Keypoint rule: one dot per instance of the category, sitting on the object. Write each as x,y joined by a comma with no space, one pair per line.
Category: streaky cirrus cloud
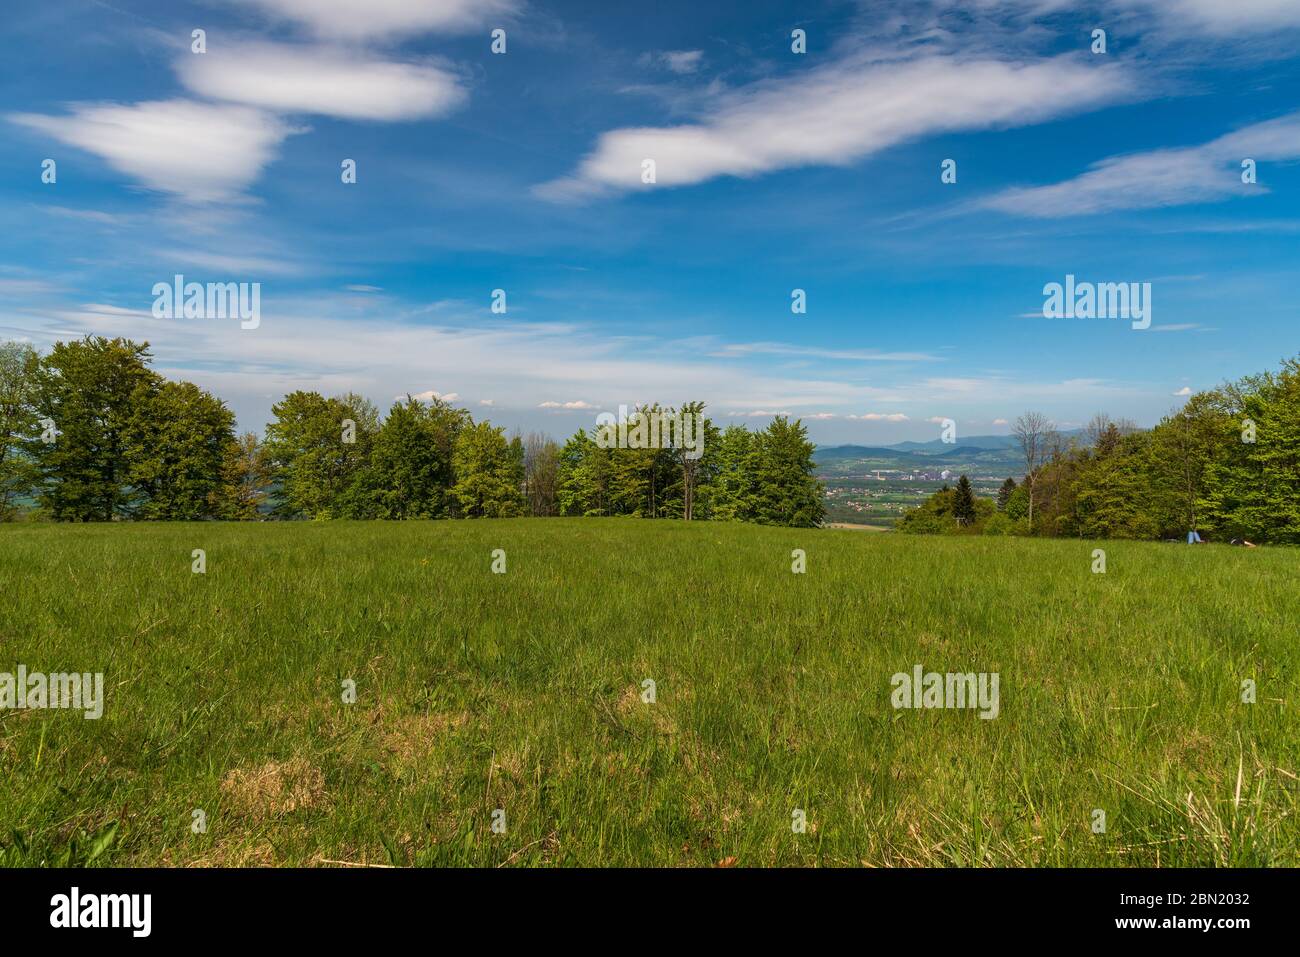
201,151
848,355
839,113
1163,177
1221,17
329,81
385,353
347,19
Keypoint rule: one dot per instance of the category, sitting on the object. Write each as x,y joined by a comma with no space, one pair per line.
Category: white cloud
103,309
486,402
1166,177
681,61
244,265
328,345
88,215
26,287
850,355
571,406
322,80
1185,390
350,20
1223,17
839,113
429,395
1176,17
1000,422
201,151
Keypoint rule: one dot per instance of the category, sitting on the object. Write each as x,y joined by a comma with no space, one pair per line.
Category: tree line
1226,465
89,432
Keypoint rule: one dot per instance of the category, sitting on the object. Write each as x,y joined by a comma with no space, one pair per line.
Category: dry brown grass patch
275,788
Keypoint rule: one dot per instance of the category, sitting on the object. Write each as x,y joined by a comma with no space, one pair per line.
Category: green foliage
19,473
765,477
584,477
1112,498
1017,507
783,488
245,476
1005,493
1000,523
963,502
1252,489
729,494
489,473
411,469
952,511
1197,469
320,475
177,442
644,482
91,390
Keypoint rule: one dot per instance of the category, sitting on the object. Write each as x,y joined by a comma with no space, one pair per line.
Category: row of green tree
1226,465
89,432
764,477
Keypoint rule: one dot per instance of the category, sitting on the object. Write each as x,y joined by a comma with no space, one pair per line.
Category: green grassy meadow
522,691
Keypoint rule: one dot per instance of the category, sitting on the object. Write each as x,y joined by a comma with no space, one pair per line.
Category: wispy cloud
676,61
348,20
839,113
1165,177
1221,17
235,264
848,355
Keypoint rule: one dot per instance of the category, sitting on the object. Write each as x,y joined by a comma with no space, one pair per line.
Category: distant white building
945,474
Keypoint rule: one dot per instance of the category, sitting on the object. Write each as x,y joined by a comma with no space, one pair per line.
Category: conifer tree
963,504
1004,493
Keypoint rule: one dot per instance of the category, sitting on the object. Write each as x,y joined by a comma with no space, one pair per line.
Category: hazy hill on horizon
975,454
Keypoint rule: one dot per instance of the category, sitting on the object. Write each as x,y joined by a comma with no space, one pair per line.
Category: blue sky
774,171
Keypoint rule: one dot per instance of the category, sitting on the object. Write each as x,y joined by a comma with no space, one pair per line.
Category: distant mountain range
983,454
972,441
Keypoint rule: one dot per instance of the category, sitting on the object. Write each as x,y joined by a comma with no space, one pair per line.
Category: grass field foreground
523,691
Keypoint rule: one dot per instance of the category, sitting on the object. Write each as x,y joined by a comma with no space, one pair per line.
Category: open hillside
503,716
